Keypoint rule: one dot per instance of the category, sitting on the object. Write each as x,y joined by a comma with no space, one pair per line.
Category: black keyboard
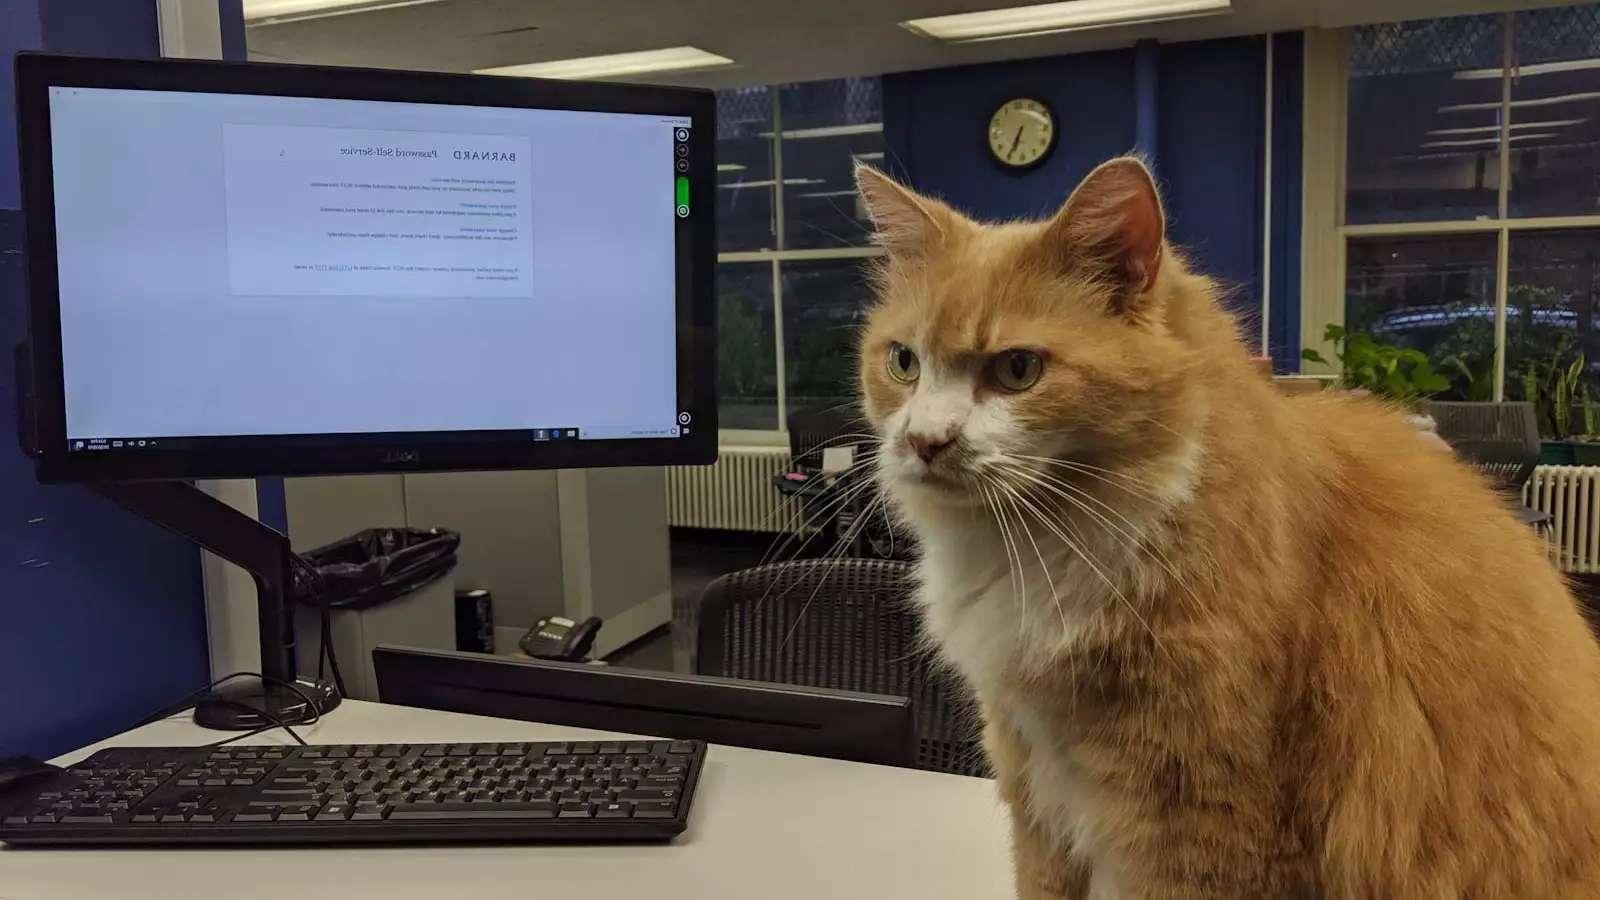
585,791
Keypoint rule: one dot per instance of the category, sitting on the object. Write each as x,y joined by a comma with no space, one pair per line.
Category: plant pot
1556,453
1585,453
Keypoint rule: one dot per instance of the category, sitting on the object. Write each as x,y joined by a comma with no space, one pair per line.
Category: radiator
1568,494
736,492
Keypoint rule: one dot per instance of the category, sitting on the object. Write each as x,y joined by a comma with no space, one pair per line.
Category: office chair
1501,440
846,624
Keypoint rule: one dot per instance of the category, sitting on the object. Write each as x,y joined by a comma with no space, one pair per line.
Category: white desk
765,826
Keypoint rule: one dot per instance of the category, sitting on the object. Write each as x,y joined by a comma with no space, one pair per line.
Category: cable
191,699
326,640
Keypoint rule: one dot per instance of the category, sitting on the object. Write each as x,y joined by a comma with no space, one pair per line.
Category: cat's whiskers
829,508
793,529
1132,534
991,502
843,541
1050,523
1044,568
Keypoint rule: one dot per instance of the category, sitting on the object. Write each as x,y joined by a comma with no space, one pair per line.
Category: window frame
1325,234
776,258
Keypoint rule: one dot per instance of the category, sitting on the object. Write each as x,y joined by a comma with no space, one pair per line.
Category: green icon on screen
683,197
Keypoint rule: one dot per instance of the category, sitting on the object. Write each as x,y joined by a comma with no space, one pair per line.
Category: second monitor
874,728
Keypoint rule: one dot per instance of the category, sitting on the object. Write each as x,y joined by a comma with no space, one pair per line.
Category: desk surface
764,825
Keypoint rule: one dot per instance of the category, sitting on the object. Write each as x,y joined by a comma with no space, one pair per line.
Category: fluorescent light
1478,129
276,12
1050,18
668,59
741,185
1479,142
729,167
1536,101
828,131
1571,65
849,193
876,154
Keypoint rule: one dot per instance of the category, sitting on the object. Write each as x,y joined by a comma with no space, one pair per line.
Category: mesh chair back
1500,439
846,624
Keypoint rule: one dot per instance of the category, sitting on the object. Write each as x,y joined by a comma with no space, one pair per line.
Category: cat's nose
927,446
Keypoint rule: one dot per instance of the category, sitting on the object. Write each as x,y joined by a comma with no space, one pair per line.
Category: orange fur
1260,646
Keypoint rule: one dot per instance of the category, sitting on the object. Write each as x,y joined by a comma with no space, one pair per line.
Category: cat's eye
1017,370
903,364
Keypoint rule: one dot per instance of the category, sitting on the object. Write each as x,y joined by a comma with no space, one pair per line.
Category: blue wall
1208,130
101,613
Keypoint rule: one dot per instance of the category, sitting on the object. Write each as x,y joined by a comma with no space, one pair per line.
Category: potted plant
1556,389
1401,375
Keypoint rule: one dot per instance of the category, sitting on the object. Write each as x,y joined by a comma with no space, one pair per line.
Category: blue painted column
1146,93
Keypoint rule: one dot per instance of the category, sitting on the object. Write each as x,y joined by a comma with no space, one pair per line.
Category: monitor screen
245,278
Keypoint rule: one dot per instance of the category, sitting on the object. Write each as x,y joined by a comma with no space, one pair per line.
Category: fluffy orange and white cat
1227,644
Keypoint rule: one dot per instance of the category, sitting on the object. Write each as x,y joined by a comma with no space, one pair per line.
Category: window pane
747,361
824,303
1421,145
1550,307
827,126
1555,113
744,170
1435,294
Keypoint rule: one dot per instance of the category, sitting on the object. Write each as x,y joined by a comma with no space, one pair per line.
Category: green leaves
1401,374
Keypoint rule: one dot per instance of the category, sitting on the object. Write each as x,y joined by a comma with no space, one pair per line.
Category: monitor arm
259,549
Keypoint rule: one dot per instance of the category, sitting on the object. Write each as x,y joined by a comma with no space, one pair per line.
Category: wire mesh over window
1557,35
1423,141
1555,113
1425,45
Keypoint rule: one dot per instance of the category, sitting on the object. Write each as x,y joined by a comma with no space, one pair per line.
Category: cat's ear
907,223
1114,228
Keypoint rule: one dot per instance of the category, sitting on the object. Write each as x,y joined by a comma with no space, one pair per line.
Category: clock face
1022,132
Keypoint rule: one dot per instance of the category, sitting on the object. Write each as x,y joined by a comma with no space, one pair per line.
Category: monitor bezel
246,456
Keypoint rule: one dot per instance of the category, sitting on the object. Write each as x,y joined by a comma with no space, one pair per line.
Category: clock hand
1014,141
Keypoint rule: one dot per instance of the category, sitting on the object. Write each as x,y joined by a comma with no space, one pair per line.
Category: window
1471,147
793,239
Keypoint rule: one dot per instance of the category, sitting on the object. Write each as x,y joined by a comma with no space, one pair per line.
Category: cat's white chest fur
992,624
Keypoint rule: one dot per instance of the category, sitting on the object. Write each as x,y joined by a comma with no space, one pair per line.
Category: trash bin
378,586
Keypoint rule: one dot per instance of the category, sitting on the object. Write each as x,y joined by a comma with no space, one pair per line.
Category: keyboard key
561,749
636,748
680,747
369,812
241,782
174,815
45,816
572,810
334,812
312,753
655,809
638,794
288,795
614,811
514,750
610,747
446,811
391,751
17,820
460,750
301,812
583,747
256,815
203,816
215,782
338,753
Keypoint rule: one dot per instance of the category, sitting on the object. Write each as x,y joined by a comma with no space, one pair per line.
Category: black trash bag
367,569
375,566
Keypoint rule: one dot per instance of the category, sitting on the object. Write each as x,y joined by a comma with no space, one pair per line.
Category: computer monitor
875,728
240,270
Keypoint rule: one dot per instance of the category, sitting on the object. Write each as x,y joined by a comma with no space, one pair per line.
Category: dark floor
698,557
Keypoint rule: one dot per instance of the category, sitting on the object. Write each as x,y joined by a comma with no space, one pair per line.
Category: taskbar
98,445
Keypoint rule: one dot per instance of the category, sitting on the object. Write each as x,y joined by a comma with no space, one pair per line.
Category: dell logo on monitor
401,457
